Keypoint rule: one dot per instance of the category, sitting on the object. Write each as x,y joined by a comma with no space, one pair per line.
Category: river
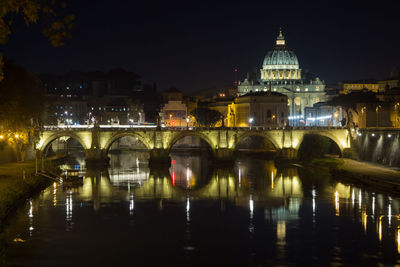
255,214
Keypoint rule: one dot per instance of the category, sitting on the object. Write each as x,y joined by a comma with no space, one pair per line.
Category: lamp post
251,119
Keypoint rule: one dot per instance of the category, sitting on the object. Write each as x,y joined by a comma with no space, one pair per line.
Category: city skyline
194,49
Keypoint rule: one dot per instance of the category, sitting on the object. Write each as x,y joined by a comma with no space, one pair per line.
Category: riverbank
378,177
17,183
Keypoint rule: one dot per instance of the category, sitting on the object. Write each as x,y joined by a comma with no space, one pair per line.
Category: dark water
190,215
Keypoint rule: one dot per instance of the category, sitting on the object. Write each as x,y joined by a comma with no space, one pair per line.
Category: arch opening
127,154
190,167
65,150
318,146
255,145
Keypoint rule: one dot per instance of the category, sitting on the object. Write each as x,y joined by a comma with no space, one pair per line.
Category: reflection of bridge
97,140
273,189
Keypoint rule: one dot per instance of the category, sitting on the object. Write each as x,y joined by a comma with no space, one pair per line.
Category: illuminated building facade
351,86
267,109
281,73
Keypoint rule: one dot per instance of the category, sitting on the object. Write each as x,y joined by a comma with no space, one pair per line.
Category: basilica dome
280,63
281,57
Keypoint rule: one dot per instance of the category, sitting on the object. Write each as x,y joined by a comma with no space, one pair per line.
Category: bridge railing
184,128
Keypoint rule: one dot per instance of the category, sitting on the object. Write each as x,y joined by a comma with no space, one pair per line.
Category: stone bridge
97,140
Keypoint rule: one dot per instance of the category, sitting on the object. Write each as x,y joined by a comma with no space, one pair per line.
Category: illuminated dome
280,63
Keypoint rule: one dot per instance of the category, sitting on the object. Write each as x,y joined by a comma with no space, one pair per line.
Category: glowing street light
251,119
1,136
17,136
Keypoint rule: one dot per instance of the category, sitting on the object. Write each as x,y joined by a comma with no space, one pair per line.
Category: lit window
275,89
306,89
298,89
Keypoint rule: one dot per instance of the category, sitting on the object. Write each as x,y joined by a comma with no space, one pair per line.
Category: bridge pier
286,154
223,157
96,158
159,157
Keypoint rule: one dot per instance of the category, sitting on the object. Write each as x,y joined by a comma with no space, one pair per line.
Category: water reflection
271,215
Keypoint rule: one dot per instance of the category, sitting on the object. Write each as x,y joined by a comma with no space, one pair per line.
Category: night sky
197,45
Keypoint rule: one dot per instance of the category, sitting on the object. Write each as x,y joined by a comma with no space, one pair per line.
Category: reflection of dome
280,63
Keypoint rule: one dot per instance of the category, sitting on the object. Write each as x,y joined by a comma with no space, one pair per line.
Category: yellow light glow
281,231
16,135
1,137
380,228
398,240
272,180
337,203
364,220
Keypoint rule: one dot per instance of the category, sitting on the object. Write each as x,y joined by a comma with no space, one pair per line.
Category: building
351,86
174,114
377,114
281,73
222,106
66,110
322,114
269,109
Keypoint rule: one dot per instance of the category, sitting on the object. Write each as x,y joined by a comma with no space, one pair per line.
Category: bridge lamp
389,135
17,136
373,134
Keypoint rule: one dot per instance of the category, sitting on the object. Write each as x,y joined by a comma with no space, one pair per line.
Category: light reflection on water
254,214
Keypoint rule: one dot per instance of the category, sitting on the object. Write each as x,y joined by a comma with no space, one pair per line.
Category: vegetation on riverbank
16,184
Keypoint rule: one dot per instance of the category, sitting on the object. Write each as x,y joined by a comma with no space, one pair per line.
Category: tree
21,107
350,101
206,117
57,27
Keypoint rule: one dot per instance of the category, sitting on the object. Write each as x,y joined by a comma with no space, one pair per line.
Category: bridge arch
340,143
45,144
117,136
264,135
183,134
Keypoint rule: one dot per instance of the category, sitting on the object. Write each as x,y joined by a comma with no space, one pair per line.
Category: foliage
206,117
21,107
56,28
313,146
350,101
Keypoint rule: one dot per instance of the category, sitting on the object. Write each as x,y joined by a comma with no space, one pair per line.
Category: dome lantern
281,39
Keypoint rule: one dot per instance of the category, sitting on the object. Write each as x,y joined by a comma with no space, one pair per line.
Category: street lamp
251,119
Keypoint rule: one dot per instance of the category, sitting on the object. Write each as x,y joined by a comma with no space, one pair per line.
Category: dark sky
195,44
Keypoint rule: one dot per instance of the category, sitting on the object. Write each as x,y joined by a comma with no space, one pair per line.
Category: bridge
97,140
